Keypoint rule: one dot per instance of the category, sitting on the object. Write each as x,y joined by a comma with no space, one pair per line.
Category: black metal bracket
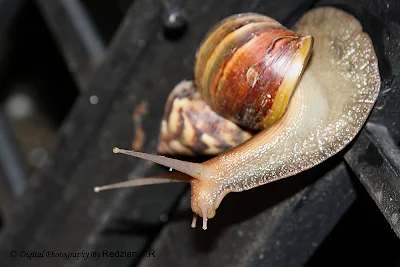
375,159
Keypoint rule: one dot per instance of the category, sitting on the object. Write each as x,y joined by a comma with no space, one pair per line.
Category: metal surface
13,178
77,38
174,18
11,163
85,29
62,195
375,159
280,224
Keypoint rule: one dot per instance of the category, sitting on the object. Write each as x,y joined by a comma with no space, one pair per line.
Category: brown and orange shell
248,67
190,127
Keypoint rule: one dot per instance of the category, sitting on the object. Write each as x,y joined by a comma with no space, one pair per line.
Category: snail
293,99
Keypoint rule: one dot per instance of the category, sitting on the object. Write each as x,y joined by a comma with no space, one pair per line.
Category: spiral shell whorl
247,68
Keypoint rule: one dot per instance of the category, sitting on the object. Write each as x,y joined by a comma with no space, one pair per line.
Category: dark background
73,72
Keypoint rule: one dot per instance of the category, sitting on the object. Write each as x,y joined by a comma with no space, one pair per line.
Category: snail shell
247,68
191,127
246,71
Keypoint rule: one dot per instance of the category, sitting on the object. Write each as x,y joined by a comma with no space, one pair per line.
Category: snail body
317,105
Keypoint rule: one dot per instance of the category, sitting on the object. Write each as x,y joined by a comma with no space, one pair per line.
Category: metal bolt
174,18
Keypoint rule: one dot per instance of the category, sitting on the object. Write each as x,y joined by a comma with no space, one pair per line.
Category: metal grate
120,58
